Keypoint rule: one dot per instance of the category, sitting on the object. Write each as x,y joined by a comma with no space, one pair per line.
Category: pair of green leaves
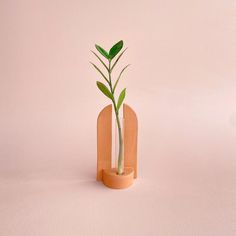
107,93
115,49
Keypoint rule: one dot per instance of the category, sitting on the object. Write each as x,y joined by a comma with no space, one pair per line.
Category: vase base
111,179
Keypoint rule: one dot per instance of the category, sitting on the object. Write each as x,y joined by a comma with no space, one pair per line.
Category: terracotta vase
105,172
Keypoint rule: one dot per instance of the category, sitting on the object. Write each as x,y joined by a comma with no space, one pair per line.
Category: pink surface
182,84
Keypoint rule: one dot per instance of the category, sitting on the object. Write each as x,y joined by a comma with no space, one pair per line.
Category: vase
117,148
118,176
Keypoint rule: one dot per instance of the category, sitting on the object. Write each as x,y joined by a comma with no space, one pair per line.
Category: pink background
182,84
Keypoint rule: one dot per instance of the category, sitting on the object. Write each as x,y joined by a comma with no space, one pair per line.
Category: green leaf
121,98
119,77
104,90
115,49
102,51
100,60
100,72
118,58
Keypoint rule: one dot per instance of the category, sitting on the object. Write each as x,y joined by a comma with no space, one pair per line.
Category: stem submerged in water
120,155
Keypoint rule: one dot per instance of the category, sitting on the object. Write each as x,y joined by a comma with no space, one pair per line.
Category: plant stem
120,169
120,156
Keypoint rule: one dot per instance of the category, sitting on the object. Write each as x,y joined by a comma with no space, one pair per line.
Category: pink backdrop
182,84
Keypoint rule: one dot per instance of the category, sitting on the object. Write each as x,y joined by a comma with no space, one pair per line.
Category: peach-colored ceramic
130,138
112,180
104,140
105,172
